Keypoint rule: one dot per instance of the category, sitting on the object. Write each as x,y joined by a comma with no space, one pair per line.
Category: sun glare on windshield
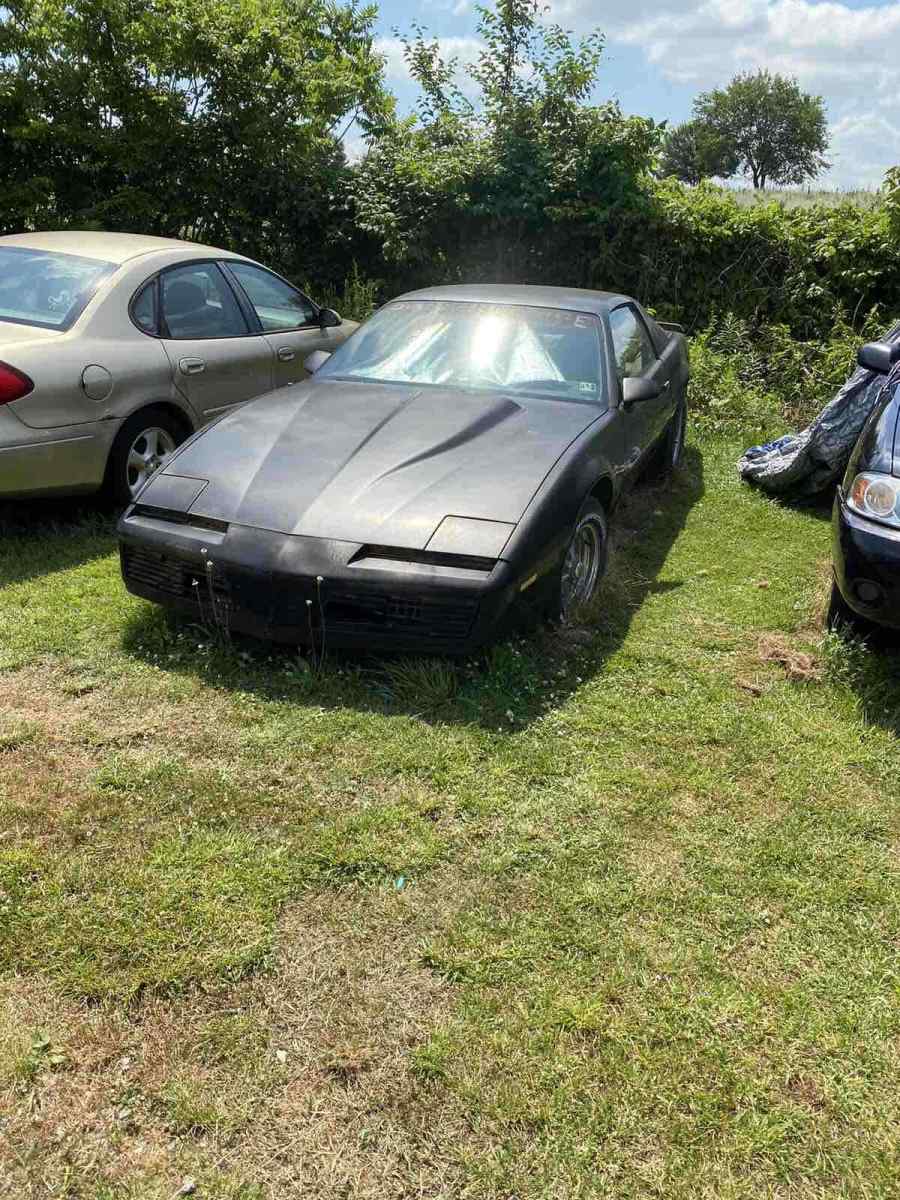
527,350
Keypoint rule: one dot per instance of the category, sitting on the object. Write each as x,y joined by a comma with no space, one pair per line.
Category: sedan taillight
13,384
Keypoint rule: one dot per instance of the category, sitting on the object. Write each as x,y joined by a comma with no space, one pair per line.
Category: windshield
42,287
534,351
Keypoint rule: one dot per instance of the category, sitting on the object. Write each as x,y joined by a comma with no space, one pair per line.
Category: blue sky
660,53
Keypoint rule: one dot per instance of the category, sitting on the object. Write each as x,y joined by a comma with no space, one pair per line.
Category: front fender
593,459
875,449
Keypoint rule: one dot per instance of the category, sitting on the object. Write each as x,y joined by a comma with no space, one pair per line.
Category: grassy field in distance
807,197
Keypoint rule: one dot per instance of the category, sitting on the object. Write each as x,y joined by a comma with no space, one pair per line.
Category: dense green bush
223,124
218,122
762,381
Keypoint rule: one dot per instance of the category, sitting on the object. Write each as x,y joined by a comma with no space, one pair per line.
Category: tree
490,171
219,121
691,152
776,133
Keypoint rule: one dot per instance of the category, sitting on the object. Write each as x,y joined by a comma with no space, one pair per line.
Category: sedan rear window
548,352
45,288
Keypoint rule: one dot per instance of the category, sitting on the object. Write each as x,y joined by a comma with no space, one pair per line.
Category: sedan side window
631,343
198,303
278,305
143,308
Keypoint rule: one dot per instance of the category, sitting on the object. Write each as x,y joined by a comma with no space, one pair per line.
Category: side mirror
329,319
636,390
317,359
879,357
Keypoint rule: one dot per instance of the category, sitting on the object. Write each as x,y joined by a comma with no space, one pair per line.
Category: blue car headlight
876,496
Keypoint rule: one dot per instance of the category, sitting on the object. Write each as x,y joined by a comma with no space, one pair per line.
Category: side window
631,343
196,302
143,308
277,304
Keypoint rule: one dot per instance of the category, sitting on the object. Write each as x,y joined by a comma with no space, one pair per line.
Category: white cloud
464,49
847,55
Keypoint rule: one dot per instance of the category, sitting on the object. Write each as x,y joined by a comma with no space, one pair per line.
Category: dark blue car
866,522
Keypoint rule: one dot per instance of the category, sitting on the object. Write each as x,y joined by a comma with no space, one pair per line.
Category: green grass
807,197
609,912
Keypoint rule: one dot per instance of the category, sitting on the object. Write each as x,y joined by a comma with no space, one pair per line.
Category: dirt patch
348,1007
799,666
806,1092
301,1082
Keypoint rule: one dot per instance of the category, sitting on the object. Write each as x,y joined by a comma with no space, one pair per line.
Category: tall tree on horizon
775,132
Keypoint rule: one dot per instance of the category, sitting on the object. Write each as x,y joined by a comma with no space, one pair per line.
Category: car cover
809,462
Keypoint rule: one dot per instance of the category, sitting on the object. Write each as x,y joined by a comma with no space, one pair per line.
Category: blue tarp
808,463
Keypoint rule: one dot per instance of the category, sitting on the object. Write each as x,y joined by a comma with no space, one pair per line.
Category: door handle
286,354
191,366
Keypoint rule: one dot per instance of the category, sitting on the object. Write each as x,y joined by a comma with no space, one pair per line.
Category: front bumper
306,590
866,557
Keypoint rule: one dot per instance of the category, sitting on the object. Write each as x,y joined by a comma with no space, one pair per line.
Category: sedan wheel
585,561
143,445
147,453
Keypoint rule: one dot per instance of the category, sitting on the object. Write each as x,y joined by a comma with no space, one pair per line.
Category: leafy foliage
776,133
218,122
693,152
471,187
223,124
760,380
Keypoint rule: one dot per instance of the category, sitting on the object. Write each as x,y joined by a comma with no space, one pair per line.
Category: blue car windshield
546,352
45,288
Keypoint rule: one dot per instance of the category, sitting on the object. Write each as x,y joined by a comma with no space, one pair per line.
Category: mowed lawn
611,912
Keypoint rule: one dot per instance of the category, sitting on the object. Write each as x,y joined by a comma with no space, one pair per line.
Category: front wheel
142,446
670,451
577,579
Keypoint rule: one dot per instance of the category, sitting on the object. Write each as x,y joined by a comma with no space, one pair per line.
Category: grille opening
283,601
432,616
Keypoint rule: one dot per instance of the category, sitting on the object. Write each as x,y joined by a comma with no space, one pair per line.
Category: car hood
375,463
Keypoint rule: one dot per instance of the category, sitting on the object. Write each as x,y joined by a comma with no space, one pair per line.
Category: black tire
842,619
561,604
668,454
121,476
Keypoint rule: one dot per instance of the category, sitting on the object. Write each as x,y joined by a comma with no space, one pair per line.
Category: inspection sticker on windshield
584,386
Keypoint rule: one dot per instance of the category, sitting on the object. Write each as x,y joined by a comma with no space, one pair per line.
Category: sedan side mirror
637,389
879,357
314,361
329,319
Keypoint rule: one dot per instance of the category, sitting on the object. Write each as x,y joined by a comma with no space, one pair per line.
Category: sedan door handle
286,355
191,366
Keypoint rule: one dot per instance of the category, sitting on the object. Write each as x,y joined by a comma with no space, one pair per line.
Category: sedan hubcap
148,452
581,568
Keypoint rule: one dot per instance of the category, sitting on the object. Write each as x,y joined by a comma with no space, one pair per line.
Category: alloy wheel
582,565
148,452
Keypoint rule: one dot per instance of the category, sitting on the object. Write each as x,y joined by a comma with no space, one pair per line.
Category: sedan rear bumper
866,558
42,462
305,590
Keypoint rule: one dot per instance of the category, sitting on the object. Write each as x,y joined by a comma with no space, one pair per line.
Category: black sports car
866,519
453,464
